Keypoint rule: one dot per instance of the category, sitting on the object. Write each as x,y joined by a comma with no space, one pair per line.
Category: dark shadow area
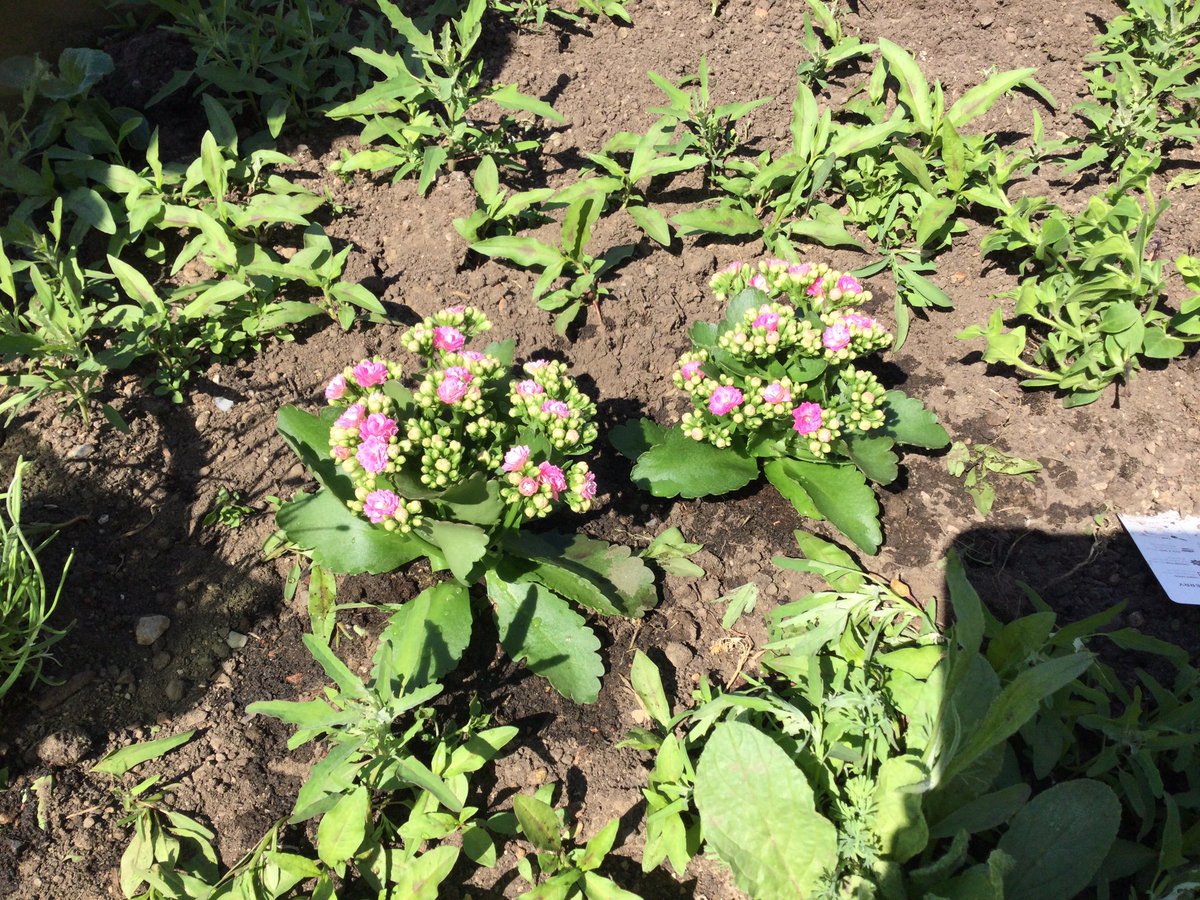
1078,576
129,508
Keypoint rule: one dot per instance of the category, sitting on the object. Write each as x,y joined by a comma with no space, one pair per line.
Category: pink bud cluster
466,416
788,379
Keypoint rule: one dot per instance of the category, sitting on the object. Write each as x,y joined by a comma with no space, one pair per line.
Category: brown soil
136,501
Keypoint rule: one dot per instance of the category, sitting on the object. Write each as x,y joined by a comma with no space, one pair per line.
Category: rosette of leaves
778,389
1091,299
452,465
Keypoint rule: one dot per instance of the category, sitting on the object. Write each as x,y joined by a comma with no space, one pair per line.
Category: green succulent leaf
678,466
540,628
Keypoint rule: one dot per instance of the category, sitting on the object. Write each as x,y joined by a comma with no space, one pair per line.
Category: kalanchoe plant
450,464
779,386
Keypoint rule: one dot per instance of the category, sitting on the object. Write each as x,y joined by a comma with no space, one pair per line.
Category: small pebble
175,690
224,404
83,451
236,640
150,628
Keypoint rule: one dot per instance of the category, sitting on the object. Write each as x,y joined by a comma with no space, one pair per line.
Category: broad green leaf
759,815
349,683
914,90
1018,702
908,422
932,217
647,684
405,770
633,437
135,284
680,467
508,97
842,495
80,68
597,887
607,578
463,547
479,750
432,161
121,761
778,474
524,251
732,221
539,627
898,821
421,878
539,823
874,457
90,207
426,637
979,99
984,813
346,543
344,827
652,222
1059,840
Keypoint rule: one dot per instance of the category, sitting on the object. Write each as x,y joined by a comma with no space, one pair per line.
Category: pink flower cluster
725,399
556,408
454,385
448,338
380,505
807,418
776,393
369,373
768,320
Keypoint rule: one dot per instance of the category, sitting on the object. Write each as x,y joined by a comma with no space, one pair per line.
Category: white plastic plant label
1171,545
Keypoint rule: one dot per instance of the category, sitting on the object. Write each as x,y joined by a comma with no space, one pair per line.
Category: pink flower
556,408
352,417
862,323
816,288
528,487
776,393
690,370
369,374
446,337
380,505
529,388
848,284
733,268
335,388
515,458
473,356
458,373
341,454
768,320
372,455
724,399
553,476
534,364
451,390
455,310
836,336
377,425
759,281
587,490
807,418
800,270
